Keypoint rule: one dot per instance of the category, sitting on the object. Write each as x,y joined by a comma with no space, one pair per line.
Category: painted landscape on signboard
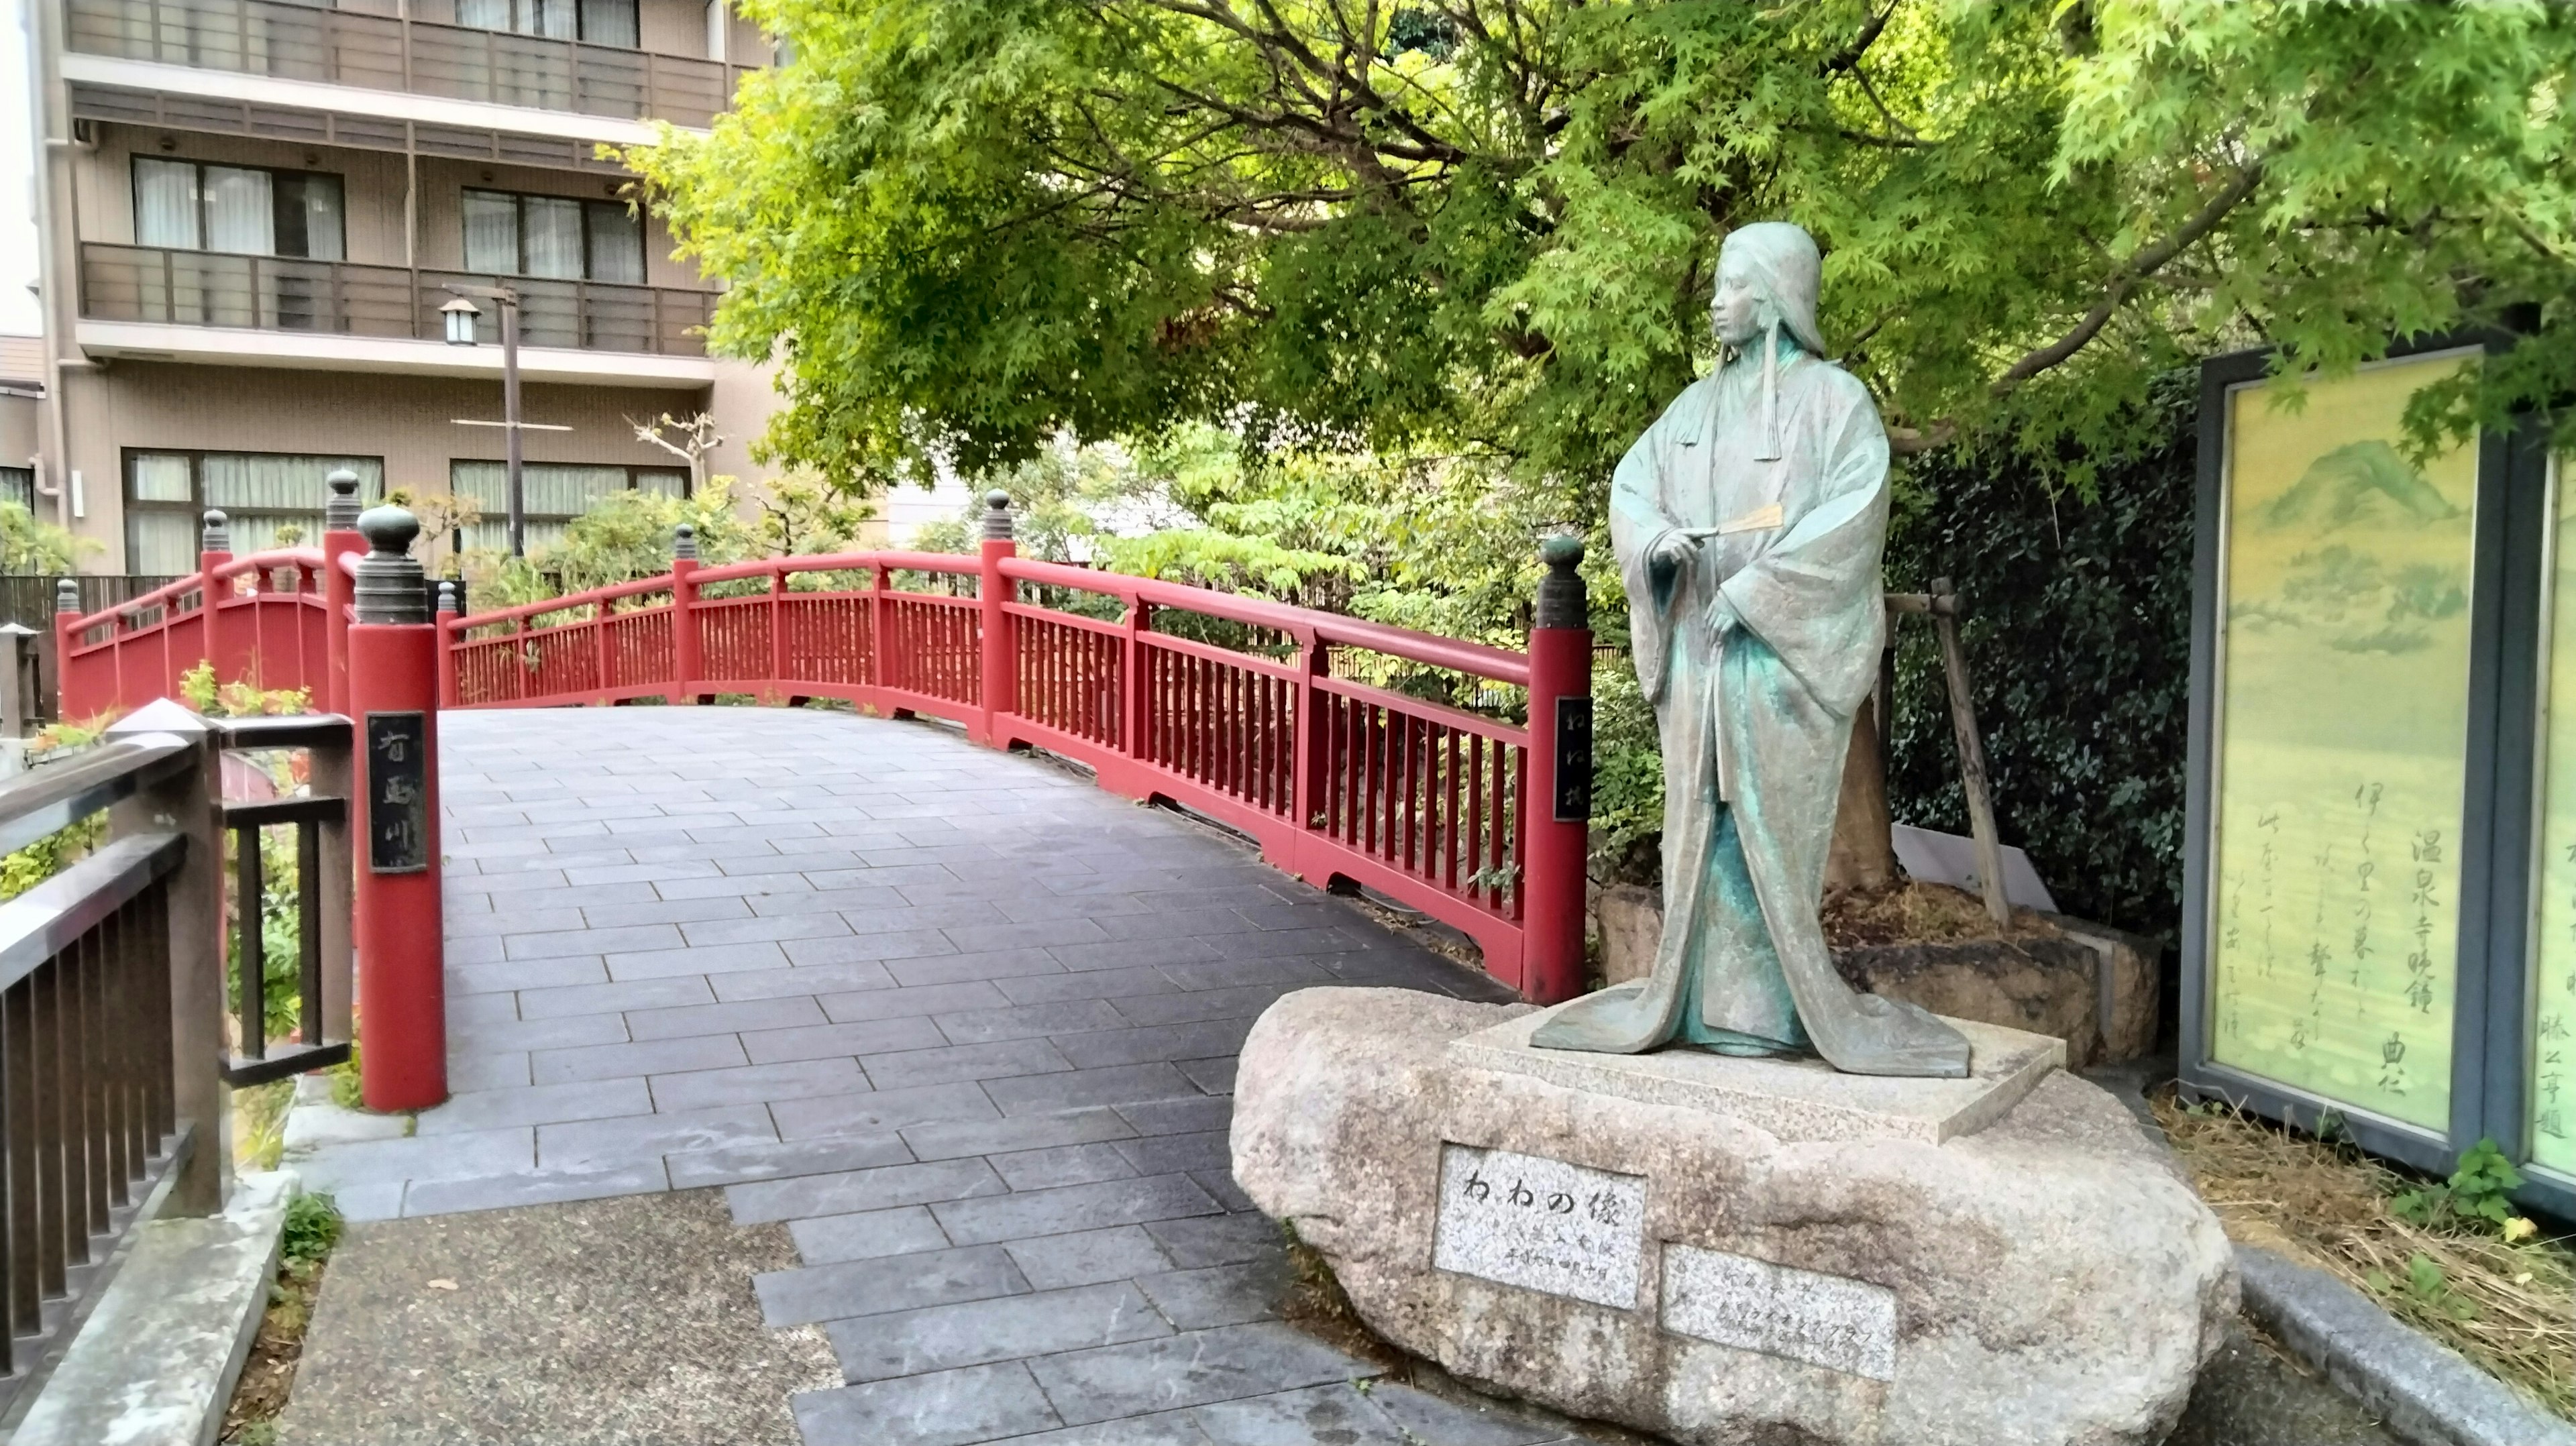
2342,731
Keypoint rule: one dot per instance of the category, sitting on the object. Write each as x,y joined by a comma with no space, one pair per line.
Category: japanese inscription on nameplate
397,793
1541,1224
1824,1320
1573,759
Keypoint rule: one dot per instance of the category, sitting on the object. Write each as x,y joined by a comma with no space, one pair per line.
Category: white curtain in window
484,14
162,477
554,19
240,215
319,197
616,245
486,482
668,481
160,544
165,203
554,235
491,232
608,22
240,482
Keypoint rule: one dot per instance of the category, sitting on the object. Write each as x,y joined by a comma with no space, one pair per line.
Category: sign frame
412,725
2491,1005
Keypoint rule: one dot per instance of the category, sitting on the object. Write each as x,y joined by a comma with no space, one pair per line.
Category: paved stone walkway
962,1020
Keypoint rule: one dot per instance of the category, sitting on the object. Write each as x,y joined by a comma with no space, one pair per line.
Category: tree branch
2140,266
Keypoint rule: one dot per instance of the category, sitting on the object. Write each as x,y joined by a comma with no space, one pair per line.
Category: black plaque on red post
397,793
1573,760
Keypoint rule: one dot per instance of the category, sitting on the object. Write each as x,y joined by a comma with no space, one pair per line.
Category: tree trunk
1863,854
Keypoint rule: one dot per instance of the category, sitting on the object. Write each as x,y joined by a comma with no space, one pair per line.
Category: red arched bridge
1278,721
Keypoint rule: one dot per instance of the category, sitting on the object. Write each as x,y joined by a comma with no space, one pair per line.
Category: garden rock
2045,1280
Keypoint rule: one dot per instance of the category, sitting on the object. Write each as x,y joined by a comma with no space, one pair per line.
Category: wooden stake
1972,753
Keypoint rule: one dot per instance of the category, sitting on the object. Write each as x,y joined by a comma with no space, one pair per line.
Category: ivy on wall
2077,624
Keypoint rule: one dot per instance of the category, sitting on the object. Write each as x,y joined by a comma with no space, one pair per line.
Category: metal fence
343,298
113,1047
383,52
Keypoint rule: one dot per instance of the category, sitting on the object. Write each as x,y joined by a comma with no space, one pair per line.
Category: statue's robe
1754,710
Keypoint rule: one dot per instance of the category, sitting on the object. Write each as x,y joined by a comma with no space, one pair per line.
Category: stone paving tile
1028,1021
1062,1165
1148,1043
867,1235
1227,1363
1166,1154
880,1111
697,961
859,1037
500,977
534,1187
596,1144
1090,1257
757,1083
644,1057
852,1191
1024,1132
971,1333
1220,1294
537,1105
945,1408
604,998
1088,984
949,1063
852,1288
1114,1086
893,1002
1205,1240
1025,1213
740,1164
783,1012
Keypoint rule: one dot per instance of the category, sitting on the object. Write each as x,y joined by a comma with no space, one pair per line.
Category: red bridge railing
1257,714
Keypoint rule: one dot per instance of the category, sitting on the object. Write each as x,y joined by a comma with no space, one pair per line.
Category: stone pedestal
1738,1251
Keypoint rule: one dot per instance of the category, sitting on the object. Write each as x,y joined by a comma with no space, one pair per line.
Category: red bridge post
215,549
1557,807
67,614
339,539
393,688
1000,690
687,659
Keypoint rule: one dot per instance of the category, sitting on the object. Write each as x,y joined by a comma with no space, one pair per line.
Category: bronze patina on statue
1748,521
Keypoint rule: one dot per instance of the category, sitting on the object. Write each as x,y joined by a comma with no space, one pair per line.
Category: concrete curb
2425,1393
155,1363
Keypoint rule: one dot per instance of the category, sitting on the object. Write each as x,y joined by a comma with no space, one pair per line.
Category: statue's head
1768,275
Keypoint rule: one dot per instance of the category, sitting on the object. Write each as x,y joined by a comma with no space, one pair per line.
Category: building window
167,494
556,494
593,22
555,236
18,484
245,210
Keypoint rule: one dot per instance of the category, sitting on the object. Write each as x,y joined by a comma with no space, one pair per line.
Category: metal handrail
50,799
47,919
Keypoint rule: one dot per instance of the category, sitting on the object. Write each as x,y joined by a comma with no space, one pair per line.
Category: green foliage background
2078,634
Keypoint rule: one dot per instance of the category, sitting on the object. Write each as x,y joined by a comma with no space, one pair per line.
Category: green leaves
967,226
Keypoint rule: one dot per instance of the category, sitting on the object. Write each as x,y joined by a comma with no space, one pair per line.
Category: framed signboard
2368,768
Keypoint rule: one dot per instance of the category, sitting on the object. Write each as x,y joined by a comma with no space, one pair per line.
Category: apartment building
253,211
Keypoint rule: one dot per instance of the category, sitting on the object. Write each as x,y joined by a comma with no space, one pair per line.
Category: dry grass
2510,1308
1911,911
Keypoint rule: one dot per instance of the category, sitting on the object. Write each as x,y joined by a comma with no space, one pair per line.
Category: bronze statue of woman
1748,522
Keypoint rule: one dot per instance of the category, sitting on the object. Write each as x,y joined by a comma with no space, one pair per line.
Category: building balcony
308,44
158,303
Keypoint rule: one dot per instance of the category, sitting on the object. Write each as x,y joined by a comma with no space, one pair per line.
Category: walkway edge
2428,1394
2424,1392
155,1363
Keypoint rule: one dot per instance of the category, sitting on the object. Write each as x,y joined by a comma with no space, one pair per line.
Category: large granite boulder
1738,1251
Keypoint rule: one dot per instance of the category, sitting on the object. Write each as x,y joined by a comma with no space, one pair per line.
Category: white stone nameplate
1824,1320
1541,1224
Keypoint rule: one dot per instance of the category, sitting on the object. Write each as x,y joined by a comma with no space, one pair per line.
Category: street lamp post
460,315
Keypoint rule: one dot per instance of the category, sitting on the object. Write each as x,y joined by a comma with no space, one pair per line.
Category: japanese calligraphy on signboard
2340,744
397,793
2552,1103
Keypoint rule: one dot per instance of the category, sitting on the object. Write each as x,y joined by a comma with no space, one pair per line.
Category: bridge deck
963,1019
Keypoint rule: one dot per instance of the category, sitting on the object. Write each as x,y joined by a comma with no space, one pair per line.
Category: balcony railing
381,52
279,293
